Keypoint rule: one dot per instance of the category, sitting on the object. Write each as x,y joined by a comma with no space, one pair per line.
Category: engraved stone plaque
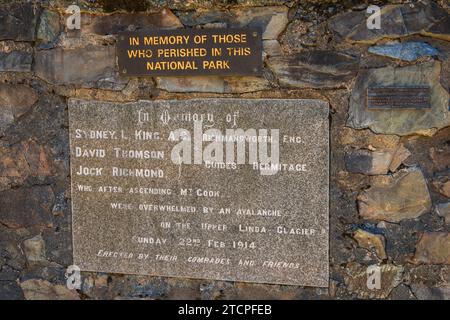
227,189
398,97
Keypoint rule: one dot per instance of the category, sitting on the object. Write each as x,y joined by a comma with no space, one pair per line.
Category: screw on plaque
124,71
255,34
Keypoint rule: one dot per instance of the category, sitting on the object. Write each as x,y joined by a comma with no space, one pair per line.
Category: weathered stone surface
34,249
117,22
370,241
434,248
425,18
443,209
407,51
212,84
10,290
424,292
355,278
367,139
314,69
394,198
400,155
27,158
36,289
15,100
18,21
49,27
272,20
26,207
92,66
272,48
445,189
400,121
368,162
16,61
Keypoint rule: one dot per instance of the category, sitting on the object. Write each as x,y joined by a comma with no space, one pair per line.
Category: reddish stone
27,207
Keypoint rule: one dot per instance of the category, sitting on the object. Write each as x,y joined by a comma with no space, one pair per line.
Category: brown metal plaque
398,98
190,52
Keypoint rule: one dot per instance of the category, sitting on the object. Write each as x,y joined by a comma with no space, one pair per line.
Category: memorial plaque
190,52
398,98
227,189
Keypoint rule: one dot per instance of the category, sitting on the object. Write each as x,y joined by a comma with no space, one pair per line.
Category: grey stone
425,18
10,290
314,69
16,61
49,27
272,48
117,22
300,258
400,121
34,249
403,195
272,20
424,292
368,162
407,51
443,209
91,66
18,21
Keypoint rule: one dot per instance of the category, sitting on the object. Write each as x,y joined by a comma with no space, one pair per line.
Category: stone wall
390,171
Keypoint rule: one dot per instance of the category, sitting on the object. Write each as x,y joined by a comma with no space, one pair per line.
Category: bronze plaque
182,188
190,52
398,97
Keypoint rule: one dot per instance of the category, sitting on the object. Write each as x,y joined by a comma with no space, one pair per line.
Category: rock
368,162
314,69
433,248
117,22
394,198
49,27
36,289
400,155
370,241
25,159
18,21
91,66
212,84
355,277
34,249
16,61
26,207
272,48
445,189
400,121
366,138
15,100
443,210
440,156
272,20
10,290
406,51
425,18
424,292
